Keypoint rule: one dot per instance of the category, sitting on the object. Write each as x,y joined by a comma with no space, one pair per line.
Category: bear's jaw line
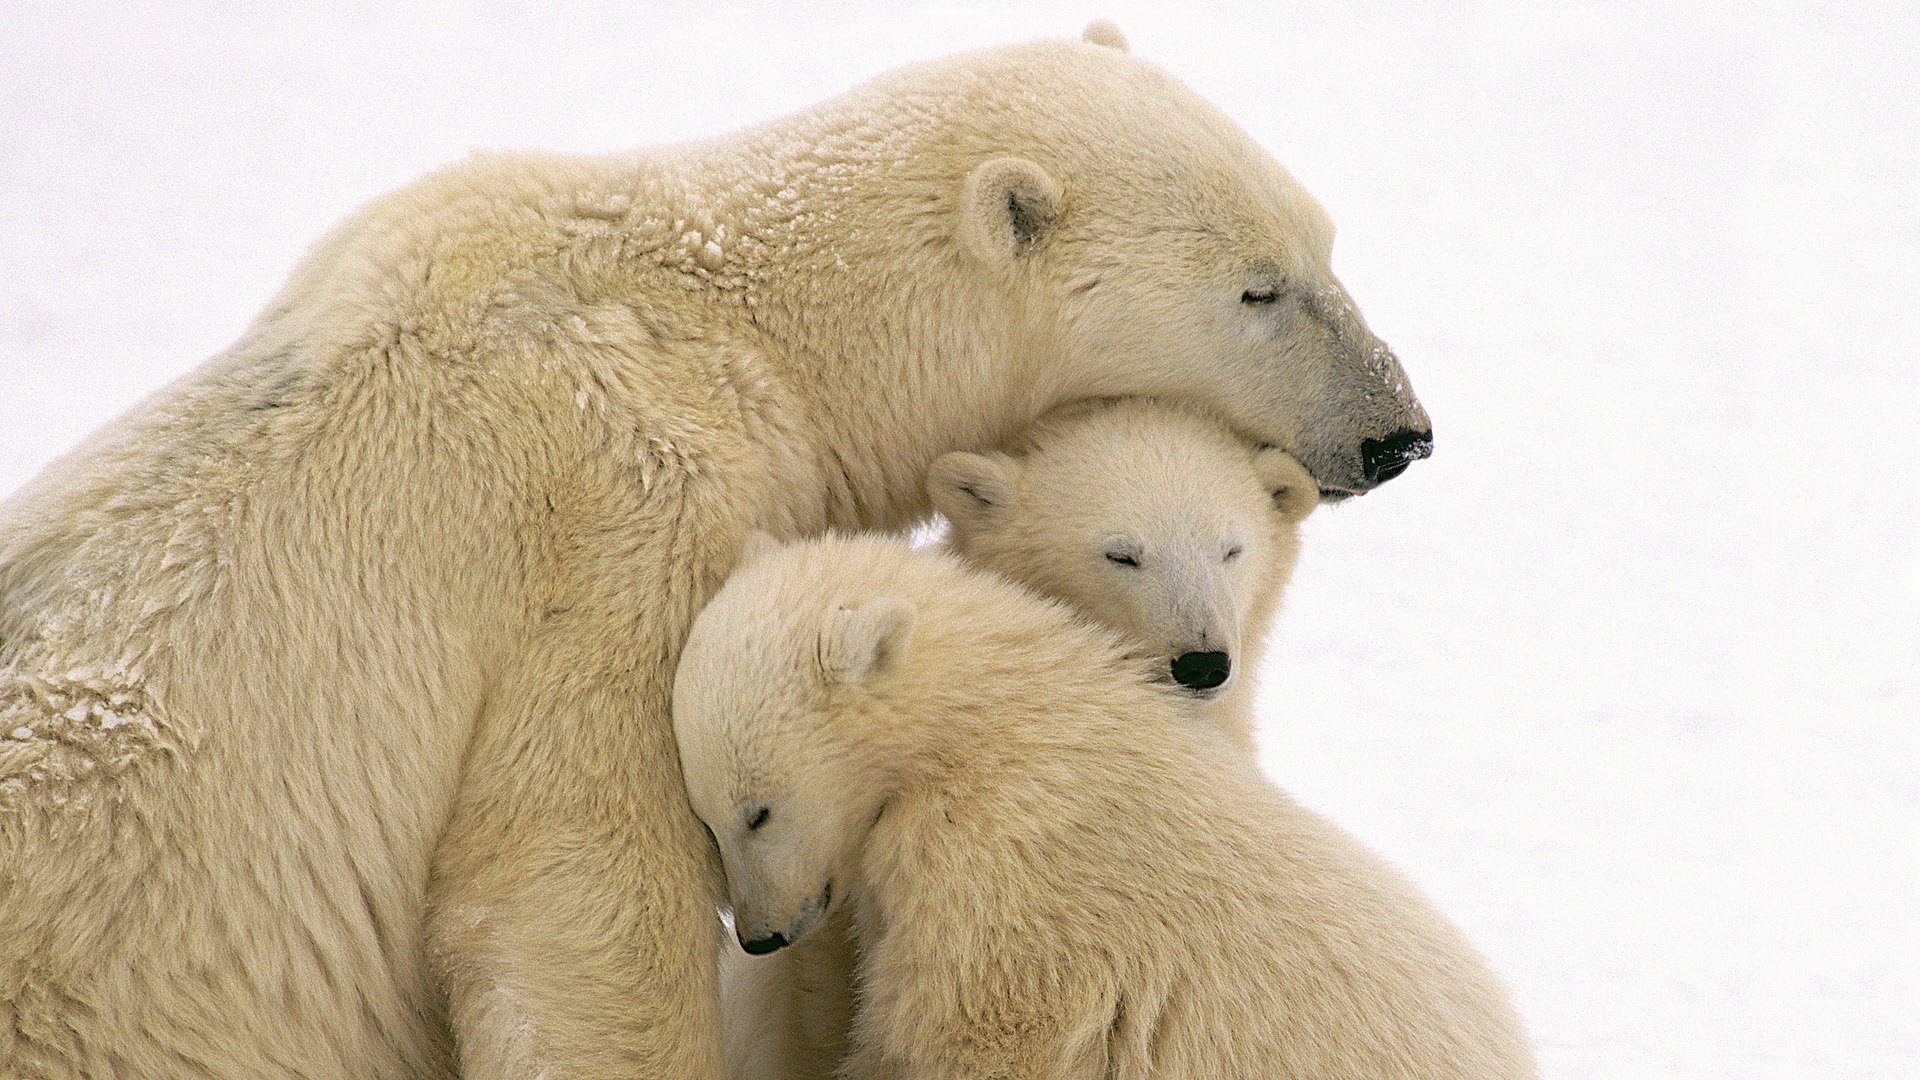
1195,693
811,914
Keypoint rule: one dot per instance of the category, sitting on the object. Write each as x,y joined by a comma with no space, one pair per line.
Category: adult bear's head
1152,248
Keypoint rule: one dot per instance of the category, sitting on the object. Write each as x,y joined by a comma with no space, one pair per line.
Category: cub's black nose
765,945
1384,459
1201,670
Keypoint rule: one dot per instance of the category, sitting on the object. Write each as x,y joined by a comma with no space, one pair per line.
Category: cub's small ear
1006,207
857,644
1292,487
972,490
755,547
1103,32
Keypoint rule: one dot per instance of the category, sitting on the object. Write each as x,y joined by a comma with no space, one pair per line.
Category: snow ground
1627,676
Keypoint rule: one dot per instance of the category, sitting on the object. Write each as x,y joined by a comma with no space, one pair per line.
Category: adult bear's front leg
571,910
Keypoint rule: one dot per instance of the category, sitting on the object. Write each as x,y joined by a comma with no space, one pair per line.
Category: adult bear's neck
836,241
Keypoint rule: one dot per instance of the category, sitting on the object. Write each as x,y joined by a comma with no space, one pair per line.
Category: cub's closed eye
1259,296
1232,554
758,819
1122,558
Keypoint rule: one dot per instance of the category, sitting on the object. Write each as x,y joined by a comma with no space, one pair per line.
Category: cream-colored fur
1169,485
334,678
1152,518
1050,870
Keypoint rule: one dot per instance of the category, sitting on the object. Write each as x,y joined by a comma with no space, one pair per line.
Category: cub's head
1154,520
1157,250
773,712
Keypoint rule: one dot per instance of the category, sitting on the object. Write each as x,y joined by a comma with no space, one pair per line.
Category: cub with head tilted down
1051,869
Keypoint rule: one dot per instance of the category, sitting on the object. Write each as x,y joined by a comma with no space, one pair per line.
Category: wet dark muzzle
1201,670
1384,459
765,945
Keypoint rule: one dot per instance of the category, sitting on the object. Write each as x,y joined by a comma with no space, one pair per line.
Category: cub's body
1051,869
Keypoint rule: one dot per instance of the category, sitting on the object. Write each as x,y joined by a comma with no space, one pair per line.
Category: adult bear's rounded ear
1291,486
858,644
1006,207
972,490
1103,32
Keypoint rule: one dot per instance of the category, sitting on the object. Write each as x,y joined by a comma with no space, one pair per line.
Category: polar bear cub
1050,870
1150,517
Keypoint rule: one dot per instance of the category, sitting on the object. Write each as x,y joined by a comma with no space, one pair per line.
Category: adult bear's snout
1383,459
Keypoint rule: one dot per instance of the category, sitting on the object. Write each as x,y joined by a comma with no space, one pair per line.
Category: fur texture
334,678
1049,869
1154,519
1212,527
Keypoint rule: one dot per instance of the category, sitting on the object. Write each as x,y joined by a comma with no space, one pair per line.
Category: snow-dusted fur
1212,526
334,678
1050,870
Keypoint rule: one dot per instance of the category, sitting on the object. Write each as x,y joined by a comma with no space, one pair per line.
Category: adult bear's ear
1292,487
1104,32
860,643
1007,206
972,490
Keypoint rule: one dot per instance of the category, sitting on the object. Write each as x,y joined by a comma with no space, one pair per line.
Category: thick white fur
334,678
1211,522
1173,486
1050,870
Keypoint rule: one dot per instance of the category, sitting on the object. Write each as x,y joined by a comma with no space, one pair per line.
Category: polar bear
1151,517
1050,870
1154,519
334,731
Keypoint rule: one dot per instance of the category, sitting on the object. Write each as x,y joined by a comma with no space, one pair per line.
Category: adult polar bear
334,679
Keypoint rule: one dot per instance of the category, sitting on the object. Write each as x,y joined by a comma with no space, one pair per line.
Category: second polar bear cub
1152,518
1050,869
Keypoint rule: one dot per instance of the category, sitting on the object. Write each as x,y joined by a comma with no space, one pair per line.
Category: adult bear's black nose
765,945
1201,670
1384,459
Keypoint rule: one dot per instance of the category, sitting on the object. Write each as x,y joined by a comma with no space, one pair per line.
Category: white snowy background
1627,676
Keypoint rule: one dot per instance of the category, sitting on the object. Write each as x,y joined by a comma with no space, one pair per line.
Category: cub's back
1130,865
